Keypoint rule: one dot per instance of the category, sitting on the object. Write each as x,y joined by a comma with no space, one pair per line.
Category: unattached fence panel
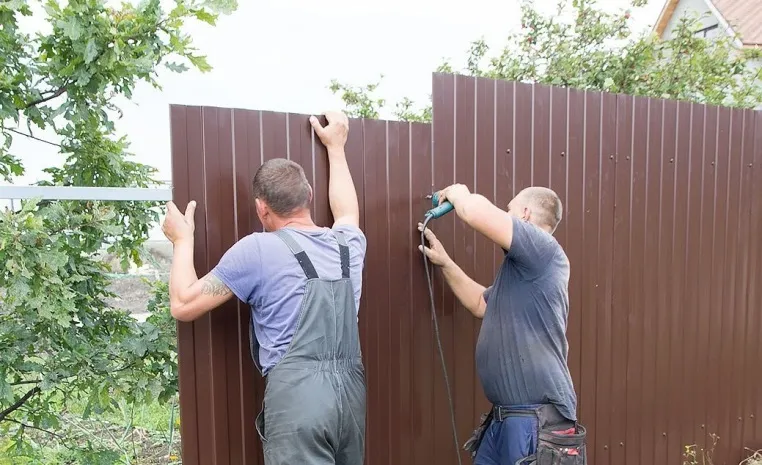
661,226
215,153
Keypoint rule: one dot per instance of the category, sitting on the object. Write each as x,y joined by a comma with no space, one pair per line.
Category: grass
133,435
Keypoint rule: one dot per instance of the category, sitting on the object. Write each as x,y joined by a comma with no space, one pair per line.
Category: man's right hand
334,135
469,292
436,252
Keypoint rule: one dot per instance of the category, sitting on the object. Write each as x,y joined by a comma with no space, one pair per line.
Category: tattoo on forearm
214,287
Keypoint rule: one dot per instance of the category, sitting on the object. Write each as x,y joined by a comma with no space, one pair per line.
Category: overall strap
299,253
344,251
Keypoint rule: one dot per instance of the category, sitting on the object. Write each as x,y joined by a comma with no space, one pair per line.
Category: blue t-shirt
262,272
521,353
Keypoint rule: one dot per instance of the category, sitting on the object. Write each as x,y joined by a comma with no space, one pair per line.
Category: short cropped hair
546,204
283,186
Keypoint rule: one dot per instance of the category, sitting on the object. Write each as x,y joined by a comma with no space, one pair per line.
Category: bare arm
469,292
341,189
189,296
482,215
182,273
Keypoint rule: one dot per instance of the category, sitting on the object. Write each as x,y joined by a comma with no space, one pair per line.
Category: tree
585,47
60,342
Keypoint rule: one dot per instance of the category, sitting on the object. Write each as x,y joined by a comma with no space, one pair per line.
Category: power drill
439,210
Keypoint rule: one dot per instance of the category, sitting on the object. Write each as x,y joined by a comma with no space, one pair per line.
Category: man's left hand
177,226
453,193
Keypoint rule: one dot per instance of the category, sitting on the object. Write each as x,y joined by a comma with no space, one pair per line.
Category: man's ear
311,193
261,207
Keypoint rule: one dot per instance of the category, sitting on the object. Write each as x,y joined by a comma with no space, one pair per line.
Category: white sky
282,54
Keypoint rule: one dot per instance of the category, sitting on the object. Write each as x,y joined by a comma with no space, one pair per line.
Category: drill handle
439,210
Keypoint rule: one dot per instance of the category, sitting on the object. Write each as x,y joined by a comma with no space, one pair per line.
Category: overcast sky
281,55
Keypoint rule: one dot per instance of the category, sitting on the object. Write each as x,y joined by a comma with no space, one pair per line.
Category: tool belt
472,445
559,441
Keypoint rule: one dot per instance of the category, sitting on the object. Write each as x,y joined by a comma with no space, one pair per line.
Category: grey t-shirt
521,353
261,271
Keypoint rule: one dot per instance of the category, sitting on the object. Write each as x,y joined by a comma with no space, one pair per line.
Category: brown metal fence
662,225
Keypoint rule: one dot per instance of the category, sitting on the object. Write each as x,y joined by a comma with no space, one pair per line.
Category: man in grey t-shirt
521,353
303,284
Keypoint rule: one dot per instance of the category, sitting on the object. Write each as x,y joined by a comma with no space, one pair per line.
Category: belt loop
497,413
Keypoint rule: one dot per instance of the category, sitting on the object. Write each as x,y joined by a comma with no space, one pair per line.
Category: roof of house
743,16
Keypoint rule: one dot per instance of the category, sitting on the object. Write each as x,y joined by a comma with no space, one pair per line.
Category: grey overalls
314,403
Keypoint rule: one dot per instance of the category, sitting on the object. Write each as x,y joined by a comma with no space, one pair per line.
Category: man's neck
543,227
303,221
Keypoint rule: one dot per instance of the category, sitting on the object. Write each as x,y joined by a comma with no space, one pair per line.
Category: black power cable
439,341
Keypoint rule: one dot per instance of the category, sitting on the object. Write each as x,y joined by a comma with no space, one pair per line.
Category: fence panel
215,153
662,205
662,218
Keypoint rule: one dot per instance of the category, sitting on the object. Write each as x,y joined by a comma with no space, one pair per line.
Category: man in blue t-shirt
303,284
521,353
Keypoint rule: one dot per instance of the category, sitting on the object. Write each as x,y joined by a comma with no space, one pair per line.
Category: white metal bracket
137,194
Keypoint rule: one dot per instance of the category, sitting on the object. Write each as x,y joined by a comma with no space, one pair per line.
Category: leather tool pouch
562,449
559,441
472,445
558,447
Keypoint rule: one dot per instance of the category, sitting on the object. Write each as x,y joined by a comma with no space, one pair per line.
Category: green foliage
359,100
584,47
405,111
60,342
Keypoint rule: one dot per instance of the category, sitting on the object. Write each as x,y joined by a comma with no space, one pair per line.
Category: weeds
697,456
754,459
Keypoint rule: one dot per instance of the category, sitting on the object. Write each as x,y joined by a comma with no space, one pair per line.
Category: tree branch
26,425
32,137
19,402
55,94
28,381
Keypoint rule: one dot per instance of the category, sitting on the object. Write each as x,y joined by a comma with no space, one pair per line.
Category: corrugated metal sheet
215,154
662,225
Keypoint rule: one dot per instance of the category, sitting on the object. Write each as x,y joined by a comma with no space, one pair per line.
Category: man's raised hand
178,226
334,135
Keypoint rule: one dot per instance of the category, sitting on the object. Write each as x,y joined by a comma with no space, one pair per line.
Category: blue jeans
507,441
